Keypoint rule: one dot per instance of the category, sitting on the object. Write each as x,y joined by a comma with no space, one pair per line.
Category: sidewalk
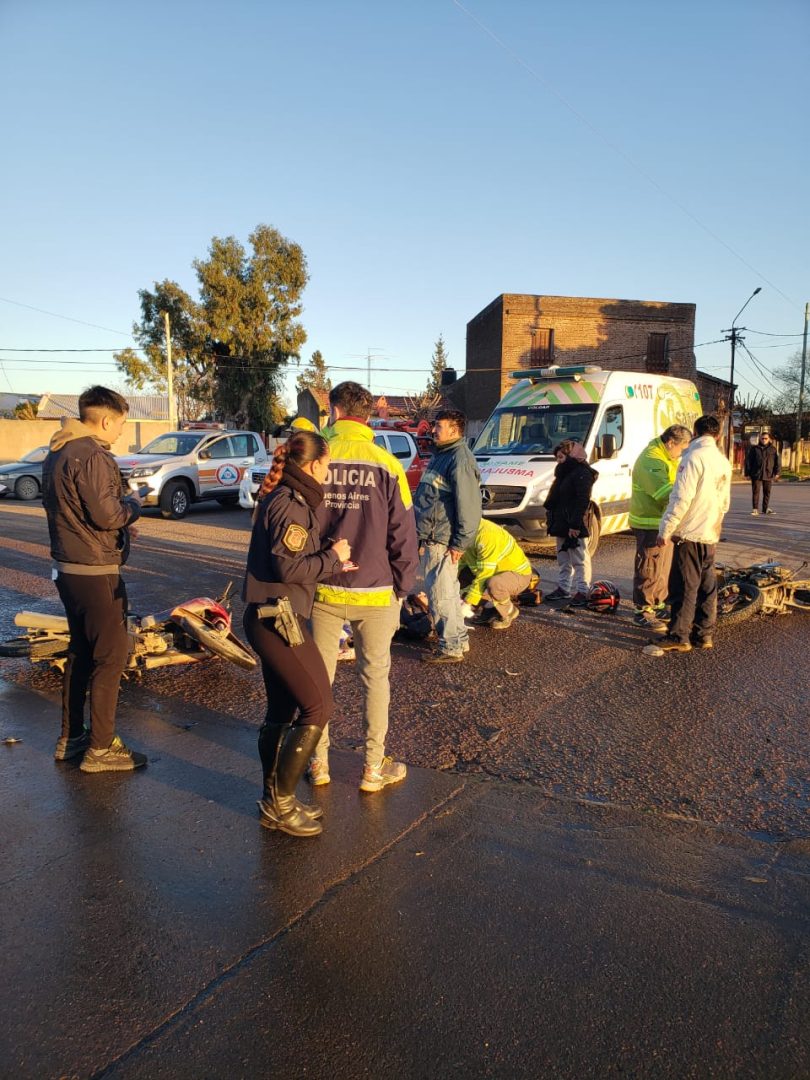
451,927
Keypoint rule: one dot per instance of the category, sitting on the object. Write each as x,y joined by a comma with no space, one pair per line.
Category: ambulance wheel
175,500
596,532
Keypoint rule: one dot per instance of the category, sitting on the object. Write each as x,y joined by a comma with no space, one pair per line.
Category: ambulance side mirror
607,446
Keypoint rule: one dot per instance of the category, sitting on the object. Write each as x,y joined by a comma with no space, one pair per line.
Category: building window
542,351
658,353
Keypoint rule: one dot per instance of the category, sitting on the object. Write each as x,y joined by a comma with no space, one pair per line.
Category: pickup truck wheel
175,500
26,488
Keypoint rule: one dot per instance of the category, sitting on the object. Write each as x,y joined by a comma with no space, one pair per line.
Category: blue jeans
444,596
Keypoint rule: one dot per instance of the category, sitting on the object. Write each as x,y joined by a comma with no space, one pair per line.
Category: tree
422,406
314,377
193,372
230,346
25,410
788,378
437,365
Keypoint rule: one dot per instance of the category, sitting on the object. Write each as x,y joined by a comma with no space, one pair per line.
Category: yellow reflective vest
493,551
653,480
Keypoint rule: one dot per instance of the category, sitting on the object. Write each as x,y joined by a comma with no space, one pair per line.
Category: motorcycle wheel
225,645
34,650
801,599
739,601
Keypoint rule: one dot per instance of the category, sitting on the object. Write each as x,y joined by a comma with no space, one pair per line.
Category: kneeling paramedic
498,570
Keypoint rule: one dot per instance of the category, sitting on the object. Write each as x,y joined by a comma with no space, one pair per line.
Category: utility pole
169,373
735,336
801,392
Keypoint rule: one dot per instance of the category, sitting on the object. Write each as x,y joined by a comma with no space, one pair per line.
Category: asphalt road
580,924
566,702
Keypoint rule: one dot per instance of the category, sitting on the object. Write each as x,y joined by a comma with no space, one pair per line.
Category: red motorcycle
194,630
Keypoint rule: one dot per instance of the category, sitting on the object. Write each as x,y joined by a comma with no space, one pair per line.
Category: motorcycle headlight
145,470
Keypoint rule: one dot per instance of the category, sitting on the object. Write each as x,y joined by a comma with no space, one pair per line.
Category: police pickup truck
200,462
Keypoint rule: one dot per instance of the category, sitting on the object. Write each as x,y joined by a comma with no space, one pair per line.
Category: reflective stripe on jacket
367,502
653,478
493,551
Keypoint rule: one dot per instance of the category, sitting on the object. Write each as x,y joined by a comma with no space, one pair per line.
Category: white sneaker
318,772
755,513
387,772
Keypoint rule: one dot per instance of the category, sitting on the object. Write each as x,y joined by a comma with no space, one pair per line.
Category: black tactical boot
284,755
270,737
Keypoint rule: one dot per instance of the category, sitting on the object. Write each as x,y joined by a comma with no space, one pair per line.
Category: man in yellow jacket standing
499,570
653,479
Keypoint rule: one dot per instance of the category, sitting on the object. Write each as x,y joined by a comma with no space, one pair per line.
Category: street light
734,338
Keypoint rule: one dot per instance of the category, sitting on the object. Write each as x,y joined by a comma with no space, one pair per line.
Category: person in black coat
286,560
567,519
762,468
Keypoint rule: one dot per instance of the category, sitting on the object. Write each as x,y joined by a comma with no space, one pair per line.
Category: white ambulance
614,414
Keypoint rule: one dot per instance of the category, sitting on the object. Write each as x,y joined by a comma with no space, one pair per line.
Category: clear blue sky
426,156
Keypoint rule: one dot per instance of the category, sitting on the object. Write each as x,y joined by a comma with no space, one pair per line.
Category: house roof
141,407
402,406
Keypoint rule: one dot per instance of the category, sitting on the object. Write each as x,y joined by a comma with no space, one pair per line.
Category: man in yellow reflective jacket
499,570
653,479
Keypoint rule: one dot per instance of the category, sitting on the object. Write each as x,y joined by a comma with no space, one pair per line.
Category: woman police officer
286,559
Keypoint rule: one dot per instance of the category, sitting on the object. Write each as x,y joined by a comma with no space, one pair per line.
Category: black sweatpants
96,609
692,591
295,678
766,493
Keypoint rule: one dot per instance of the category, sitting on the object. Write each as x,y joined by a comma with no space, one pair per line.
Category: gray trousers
373,627
574,566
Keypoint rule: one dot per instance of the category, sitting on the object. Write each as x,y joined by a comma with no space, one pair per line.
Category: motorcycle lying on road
768,588
194,630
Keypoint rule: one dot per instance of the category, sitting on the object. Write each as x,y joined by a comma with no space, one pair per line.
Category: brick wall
611,333
482,383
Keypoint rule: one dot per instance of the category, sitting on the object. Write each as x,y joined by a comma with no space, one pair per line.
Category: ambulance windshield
534,429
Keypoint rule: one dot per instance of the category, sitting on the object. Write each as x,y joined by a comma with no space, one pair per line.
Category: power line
764,373
12,348
69,318
768,333
616,149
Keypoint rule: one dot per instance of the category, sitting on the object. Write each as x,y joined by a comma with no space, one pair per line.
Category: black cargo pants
692,591
96,609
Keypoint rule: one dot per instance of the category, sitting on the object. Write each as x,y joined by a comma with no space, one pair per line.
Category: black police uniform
285,559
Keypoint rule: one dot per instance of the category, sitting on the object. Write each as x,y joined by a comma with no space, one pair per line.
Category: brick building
522,331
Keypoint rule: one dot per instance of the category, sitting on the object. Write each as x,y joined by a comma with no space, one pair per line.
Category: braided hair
301,448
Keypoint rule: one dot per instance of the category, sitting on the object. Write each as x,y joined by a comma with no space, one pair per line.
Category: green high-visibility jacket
492,552
653,480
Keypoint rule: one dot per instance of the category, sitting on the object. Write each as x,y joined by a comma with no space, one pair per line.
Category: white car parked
413,453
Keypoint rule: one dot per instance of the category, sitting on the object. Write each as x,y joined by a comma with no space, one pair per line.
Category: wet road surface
590,920
564,701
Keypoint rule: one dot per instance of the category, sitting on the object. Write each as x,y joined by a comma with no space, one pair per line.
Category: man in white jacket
692,522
